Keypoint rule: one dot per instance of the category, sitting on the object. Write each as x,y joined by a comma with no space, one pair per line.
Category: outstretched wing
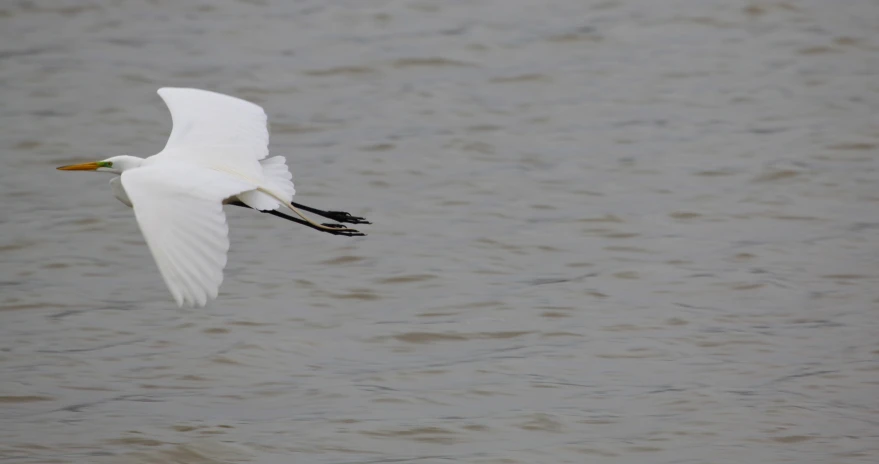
179,208
216,130
202,118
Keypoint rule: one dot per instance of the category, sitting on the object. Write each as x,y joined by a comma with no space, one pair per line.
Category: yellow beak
80,167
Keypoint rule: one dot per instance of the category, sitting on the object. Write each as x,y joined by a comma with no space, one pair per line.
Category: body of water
604,231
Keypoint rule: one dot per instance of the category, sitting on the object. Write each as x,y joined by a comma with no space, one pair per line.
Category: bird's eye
105,164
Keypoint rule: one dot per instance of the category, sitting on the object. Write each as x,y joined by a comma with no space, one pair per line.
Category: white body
217,151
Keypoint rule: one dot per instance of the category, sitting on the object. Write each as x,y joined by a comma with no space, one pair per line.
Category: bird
216,154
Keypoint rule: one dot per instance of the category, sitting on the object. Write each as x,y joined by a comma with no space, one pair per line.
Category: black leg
339,216
346,233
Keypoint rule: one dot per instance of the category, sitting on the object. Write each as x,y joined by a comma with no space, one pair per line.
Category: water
604,231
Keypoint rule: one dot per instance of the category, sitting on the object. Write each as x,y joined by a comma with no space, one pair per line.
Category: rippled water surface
604,231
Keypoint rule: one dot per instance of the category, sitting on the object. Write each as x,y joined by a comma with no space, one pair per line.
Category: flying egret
216,154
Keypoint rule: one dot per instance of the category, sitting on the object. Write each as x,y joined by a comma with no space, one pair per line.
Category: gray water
604,231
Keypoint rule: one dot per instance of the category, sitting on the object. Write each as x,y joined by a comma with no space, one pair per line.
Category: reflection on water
604,231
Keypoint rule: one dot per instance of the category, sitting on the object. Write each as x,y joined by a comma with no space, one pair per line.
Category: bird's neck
126,162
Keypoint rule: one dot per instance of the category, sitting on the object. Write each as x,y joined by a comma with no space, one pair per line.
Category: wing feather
216,130
180,213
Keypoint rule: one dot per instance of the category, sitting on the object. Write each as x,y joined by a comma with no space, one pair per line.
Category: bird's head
114,165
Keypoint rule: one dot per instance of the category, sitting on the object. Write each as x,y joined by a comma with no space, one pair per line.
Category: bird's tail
277,179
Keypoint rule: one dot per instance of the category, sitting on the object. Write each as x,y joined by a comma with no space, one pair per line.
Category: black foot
346,233
342,216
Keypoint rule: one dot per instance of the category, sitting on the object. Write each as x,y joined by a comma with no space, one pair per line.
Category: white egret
216,154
